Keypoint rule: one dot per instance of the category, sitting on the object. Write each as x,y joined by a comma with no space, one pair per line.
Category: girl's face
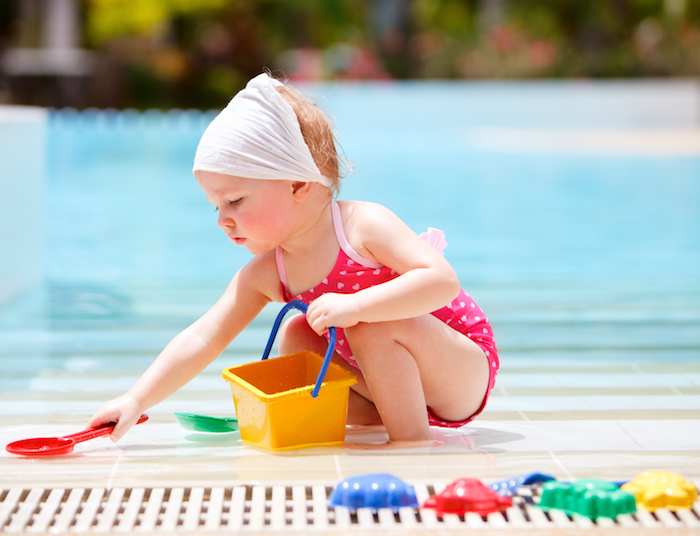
256,214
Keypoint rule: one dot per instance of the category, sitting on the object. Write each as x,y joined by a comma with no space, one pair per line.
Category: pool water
123,205
558,237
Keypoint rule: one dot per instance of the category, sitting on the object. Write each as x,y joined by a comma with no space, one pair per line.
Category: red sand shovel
55,446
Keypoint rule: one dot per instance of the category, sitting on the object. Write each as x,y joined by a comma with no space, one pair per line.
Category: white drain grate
274,509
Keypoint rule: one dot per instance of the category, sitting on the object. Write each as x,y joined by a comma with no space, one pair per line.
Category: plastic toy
279,402
662,489
510,486
591,498
379,490
56,446
206,423
467,495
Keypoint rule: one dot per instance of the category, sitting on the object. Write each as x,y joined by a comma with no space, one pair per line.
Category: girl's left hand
333,310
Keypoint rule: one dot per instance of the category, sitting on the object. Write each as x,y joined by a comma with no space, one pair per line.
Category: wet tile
622,380
666,435
564,423
610,415
593,402
536,403
489,415
544,436
593,391
670,402
621,466
593,380
532,380
64,473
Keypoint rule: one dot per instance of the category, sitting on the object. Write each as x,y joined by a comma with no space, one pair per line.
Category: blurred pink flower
542,53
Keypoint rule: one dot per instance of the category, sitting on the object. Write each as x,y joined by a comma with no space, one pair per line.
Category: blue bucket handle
301,306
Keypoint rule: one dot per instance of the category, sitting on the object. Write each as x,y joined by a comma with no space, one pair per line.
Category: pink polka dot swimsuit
352,272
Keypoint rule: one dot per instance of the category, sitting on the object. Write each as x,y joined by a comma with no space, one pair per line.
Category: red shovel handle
104,429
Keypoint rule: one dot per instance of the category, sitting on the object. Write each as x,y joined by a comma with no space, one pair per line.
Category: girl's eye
234,203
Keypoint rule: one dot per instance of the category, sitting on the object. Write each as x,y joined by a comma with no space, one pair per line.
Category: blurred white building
47,66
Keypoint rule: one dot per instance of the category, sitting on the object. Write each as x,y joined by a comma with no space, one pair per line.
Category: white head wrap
257,136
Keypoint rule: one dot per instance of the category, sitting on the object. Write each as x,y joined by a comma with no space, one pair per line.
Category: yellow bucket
274,406
291,402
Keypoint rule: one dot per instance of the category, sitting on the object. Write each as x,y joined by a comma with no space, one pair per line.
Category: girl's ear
301,190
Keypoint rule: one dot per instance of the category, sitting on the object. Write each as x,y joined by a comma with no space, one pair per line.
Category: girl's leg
418,362
297,336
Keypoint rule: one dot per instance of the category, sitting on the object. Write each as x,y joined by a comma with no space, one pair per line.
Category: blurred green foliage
556,38
111,18
197,53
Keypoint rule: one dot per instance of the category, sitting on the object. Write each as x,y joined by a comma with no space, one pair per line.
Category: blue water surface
566,252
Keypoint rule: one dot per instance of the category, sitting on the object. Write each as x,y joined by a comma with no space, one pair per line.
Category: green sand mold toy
588,497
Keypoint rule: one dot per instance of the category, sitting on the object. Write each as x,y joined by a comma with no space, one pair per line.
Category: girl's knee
360,334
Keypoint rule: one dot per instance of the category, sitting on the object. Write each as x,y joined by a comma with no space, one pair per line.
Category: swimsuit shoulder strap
343,241
344,246
279,252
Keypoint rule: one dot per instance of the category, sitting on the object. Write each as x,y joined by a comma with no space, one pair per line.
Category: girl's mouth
235,239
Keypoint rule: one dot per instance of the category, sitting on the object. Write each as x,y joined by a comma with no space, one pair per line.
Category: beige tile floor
570,419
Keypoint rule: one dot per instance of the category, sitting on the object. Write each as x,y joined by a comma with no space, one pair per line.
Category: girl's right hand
125,411
333,310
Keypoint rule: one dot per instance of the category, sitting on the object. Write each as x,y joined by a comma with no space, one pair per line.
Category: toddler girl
422,350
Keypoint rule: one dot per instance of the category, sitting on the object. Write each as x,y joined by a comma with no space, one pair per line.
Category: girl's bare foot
394,445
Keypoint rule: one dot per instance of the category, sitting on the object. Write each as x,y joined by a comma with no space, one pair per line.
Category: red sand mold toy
467,495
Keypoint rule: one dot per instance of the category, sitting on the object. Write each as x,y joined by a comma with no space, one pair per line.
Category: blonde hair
319,134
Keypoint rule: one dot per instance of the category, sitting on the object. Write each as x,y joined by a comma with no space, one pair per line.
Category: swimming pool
553,236
583,254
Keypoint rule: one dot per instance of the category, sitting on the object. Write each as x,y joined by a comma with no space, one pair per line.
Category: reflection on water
75,302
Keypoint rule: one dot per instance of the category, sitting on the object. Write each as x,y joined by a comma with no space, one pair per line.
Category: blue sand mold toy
510,486
378,490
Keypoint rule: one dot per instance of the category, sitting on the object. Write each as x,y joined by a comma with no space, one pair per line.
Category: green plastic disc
206,423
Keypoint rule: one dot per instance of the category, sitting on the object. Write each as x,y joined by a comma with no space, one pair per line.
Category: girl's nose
224,220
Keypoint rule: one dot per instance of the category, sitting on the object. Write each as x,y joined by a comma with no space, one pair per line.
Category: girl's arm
192,349
426,282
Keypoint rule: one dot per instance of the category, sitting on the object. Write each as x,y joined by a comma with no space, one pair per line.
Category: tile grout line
338,468
568,475
617,423
117,462
113,474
